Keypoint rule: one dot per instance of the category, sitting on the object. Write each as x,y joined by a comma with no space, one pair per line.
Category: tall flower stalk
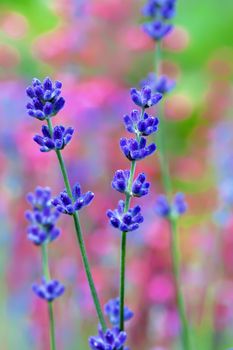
45,103
41,232
124,218
158,13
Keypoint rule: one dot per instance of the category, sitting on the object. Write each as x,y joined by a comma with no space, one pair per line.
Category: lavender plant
158,15
41,231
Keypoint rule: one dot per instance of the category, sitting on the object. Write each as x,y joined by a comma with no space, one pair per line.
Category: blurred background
98,50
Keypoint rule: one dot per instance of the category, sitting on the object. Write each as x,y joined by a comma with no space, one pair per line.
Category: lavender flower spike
145,98
128,221
139,188
112,339
45,98
60,138
67,205
48,290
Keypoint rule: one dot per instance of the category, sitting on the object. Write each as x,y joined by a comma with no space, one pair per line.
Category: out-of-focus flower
136,150
125,221
60,138
45,98
112,339
157,30
48,290
162,84
112,310
67,205
164,209
42,218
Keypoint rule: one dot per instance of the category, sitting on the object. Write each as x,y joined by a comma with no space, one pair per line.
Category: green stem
185,336
46,274
123,247
79,236
167,183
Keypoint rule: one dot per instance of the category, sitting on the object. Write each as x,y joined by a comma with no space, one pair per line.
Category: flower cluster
112,339
42,219
159,12
162,84
112,310
45,98
145,98
164,209
60,137
125,221
139,188
48,290
140,125
67,205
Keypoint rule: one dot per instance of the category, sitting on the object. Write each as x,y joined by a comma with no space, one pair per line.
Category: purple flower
164,209
179,204
48,290
125,221
162,84
135,150
112,339
157,29
158,8
139,187
144,125
145,98
45,98
120,180
42,218
112,310
67,205
60,138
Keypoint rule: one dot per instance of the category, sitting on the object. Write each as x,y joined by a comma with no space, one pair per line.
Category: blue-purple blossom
177,208
42,218
112,339
112,310
160,8
125,221
135,150
60,138
139,187
145,98
67,205
157,29
162,84
48,290
45,98
141,123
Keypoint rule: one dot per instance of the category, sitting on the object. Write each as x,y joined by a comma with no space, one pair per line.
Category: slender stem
123,248
176,271
79,236
167,183
46,274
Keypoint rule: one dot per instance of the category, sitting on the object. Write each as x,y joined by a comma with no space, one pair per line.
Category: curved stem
167,183
46,274
79,236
